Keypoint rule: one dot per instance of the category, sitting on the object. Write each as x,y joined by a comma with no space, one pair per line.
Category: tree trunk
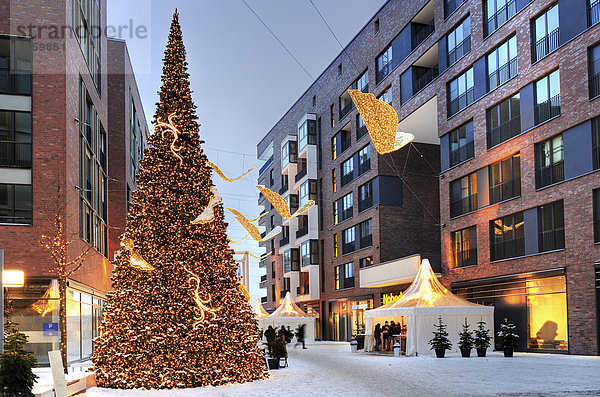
62,288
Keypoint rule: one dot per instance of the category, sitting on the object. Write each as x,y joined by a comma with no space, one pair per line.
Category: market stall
290,315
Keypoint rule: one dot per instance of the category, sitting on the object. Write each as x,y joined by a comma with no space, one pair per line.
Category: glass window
497,13
597,215
593,12
503,121
362,83
451,5
361,128
335,245
547,314
349,235
335,213
333,181
86,22
551,226
386,96
365,196
308,191
366,262
16,204
460,92
364,160
545,33
459,41
347,171
461,144
15,139
464,247
596,142
334,147
384,64
547,97
463,195
505,179
502,63
332,116
550,167
507,237
15,66
594,69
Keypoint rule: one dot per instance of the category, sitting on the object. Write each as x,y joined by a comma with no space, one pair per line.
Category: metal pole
1,301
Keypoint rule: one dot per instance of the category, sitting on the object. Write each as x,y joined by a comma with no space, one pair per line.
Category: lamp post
9,278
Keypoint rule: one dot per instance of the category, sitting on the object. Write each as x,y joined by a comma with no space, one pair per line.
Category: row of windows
343,208
344,274
87,28
507,235
15,65
15,139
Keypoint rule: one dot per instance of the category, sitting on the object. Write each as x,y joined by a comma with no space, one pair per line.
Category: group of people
387,335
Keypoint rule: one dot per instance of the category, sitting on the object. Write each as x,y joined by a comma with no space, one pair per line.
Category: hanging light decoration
222,175
208,214
381,121
281,205
252,229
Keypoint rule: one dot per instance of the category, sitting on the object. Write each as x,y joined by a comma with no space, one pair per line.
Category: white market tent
421,304
259,311
290,315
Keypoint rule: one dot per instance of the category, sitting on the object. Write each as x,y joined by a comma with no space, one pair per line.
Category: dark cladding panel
578,154
572,19
527,119
390,190
479,78
530,218
445,152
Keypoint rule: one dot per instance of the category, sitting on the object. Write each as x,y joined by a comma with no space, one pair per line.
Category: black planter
440,353
508,352
273,363
465,352
481,351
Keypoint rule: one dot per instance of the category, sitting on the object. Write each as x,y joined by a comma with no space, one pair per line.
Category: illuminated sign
391,298
362,306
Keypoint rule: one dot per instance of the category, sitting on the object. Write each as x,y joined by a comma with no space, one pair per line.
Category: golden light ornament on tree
208,214
252,229
381,121
281,205
135,259
222,175
200,303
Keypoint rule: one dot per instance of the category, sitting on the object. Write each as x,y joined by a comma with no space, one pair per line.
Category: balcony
595,80
364,204
366,241
284,188
545,45
364,167
463,205
501,16
348,247
361,131
503,74
303,290
505,190
461,49
301,174
551,174
347,178
594,13
15,154
384,71
265,166
552,239
262,263
284,241
426,76
458,104
451,5
263,300
396,272
421,32
546,110
504,132
465,152
345,141
507,249
303,231
465,258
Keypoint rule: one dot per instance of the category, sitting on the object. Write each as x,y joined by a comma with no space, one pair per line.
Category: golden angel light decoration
135,258
381,121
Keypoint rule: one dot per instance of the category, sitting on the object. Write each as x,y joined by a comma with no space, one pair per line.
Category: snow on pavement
329,369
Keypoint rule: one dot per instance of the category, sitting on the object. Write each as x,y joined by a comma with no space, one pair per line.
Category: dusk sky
243,80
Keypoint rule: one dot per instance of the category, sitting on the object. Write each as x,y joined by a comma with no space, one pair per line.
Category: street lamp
9,279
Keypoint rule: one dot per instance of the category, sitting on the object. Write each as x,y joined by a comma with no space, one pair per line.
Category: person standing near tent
300,336
377,335
385,331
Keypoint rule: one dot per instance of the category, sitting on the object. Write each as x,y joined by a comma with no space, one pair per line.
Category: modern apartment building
56,155
376,215
509,90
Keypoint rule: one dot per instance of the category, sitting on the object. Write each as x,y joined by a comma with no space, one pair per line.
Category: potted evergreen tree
271,336
508,338
465,342
440,342
16,364
286,334
482,339
278,351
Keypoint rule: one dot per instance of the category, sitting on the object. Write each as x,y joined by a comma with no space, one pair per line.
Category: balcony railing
262,263
552,239
303,290
361,131
346,143
463,205
458,104
347,178
459,51
263,278
545,45
284,241
284,188
263,299
546,110
14,82
595,79
346,109
551,174
424,32
505,190
364,167
451,5
349,247
507,249
465,258
346,214
301,174
596,155
15,154
425,79
504,132
347,282
463,153
266,165
594,13
503,74
303,231
503,14
366,241
364,204
384,71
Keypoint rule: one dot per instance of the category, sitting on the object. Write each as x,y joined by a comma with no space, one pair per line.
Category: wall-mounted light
13,278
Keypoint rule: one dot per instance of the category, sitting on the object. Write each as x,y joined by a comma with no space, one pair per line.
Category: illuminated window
335,212
550,162
463,195
505,179
366,262
344,276
335,245
551,225
507,237
464,247
333,148
332,115
333,181
547,314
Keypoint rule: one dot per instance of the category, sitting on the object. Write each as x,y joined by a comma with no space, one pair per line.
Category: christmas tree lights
186,323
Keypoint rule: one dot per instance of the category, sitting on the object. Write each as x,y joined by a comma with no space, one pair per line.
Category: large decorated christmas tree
176,316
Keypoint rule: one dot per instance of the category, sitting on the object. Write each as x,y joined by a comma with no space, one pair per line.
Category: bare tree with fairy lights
176,316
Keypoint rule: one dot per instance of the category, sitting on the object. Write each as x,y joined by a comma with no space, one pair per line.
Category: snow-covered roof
287,309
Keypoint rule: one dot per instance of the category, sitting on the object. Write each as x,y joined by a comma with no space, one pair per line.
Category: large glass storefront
313,310
536,304
35,308
347,317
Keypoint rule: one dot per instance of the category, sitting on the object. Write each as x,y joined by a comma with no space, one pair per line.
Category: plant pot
508,352
440,353
481,351
273,363
465,352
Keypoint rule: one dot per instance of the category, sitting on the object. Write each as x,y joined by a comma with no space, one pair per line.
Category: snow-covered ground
45,382
329,369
